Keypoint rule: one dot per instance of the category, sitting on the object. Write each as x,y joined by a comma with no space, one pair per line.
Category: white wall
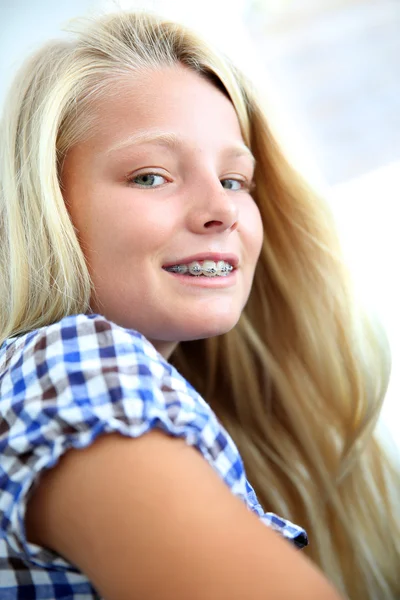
368,214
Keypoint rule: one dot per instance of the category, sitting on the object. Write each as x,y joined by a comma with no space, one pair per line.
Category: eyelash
246,185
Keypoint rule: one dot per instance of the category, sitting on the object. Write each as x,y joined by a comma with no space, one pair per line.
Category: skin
200,202
172,531
149,518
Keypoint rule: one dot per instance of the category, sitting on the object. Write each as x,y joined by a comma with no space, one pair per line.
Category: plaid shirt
61,387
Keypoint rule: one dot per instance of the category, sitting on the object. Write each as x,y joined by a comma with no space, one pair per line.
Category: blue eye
232,184
149,180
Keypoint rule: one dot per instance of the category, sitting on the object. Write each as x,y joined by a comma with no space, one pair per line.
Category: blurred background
330,70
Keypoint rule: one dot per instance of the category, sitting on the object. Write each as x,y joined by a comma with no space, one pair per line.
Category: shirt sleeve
65,385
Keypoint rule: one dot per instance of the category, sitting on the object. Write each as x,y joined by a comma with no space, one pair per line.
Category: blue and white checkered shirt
61,387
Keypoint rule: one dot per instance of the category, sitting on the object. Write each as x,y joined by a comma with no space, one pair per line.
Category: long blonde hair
299,382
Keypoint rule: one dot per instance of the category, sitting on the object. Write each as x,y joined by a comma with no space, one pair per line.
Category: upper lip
232,259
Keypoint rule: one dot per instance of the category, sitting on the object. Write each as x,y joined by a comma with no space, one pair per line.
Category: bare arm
148,518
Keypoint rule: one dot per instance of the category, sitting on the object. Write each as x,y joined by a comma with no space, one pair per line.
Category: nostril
212,223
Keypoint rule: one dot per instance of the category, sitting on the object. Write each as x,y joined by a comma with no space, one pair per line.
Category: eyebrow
171,140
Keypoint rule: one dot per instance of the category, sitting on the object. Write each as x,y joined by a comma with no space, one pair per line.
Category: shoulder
83,376
88,364
65,385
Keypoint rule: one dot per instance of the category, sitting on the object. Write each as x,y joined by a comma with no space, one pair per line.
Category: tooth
209,268
222,268
195,268
181,269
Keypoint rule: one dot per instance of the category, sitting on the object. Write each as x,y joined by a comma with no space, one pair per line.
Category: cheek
118,231
254,229
103,222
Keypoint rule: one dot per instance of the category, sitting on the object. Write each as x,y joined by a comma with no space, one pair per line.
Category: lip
206,282
232,259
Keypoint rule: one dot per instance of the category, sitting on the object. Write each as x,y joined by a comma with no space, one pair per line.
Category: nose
213,209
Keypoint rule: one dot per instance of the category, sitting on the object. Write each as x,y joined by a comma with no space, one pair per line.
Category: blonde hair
299,382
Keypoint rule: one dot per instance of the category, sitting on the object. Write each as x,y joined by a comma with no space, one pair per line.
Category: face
164,181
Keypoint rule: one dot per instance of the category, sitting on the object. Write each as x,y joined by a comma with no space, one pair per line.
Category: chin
207,329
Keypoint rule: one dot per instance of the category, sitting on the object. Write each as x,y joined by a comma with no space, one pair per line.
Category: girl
147,215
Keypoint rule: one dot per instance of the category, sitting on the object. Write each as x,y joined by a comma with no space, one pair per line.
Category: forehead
172,99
